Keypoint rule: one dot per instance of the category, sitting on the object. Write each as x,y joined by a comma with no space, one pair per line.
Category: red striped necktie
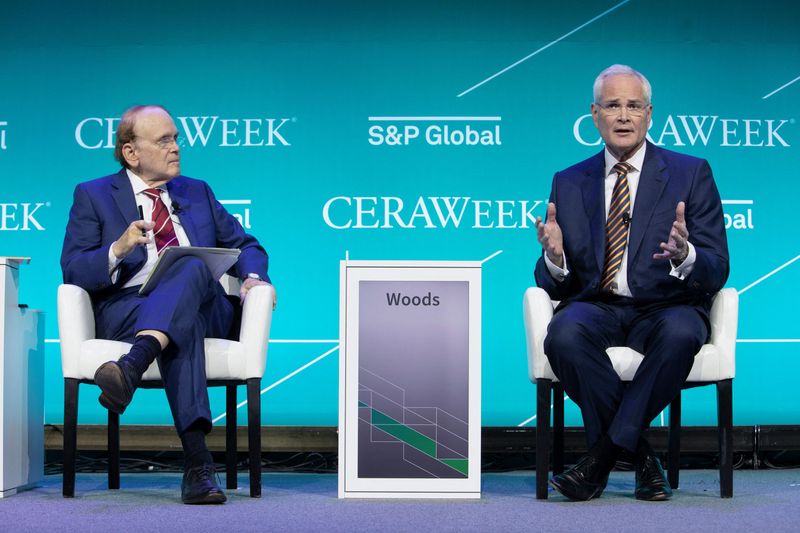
163,230
617,226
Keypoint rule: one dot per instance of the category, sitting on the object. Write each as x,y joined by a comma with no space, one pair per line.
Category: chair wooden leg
674,445
230,437
113,450
254,435
558,428
543,392
70,436
725,423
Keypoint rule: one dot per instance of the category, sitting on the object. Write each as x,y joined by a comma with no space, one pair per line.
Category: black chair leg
674,443
70,436
230,436
254,434
113,450
558,428
725,423
543,392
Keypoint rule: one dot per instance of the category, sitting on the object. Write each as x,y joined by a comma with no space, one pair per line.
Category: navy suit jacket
102,210
666,178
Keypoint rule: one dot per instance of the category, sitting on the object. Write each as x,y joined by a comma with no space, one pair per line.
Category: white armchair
229,363
714,364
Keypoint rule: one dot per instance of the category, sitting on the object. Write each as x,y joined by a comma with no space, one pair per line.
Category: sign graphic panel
413,379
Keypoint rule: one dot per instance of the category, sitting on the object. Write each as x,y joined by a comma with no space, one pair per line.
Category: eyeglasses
634,109
165,143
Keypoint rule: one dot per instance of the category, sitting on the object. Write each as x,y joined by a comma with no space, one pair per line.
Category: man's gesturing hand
133,237
677,247
549,235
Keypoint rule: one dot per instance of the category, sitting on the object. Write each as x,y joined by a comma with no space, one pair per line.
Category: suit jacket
666,178
102,209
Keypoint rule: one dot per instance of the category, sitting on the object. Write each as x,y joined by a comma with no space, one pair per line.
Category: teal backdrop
352,127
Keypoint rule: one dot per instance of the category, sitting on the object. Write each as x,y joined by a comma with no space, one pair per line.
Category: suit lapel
652,181
122,192
123,196
593,189
178,195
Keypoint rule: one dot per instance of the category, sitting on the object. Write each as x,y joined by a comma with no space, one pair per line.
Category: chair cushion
708,365
224,359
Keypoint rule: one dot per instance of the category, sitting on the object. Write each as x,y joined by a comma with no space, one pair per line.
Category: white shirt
146,202
620,286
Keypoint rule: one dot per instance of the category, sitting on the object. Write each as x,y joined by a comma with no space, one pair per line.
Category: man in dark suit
634,247
117,226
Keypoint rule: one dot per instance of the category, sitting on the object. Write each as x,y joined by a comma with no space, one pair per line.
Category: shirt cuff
113,263
684,269
560,274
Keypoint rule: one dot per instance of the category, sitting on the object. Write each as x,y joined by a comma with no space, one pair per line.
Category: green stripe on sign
380,418
462,465
410,436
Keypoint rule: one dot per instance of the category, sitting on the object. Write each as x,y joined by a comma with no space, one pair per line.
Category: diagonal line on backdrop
770,274
284,378
543,48
531,419
270,341
498,252
782,87
769,341
303,341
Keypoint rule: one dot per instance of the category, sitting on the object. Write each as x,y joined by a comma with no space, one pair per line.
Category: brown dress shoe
117,381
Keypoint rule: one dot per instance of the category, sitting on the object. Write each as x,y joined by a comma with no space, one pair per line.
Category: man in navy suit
110,247
634,247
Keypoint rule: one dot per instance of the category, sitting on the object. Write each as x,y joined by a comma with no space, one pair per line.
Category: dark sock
144,351
643,448
605,452
195,451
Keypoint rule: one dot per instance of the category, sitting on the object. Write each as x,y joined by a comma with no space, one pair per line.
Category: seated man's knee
561,338
682,330
190,266
683,346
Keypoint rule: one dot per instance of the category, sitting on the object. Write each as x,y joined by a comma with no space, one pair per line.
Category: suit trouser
187,305
669,337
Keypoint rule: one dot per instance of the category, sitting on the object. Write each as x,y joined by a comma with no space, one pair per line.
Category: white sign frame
351,273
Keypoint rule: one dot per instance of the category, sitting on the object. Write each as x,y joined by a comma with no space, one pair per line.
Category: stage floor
764,500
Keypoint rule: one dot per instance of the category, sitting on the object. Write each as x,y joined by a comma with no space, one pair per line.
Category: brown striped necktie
163,230
617,226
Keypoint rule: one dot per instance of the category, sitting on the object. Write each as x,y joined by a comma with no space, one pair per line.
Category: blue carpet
763,501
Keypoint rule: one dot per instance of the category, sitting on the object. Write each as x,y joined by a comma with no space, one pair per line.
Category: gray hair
621,70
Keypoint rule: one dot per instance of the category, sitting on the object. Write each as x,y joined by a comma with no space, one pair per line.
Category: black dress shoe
117,381
577,483
199,486
651,483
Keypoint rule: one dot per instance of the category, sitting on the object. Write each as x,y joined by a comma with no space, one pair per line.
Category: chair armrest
75,325
724,320
254,332
537,310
